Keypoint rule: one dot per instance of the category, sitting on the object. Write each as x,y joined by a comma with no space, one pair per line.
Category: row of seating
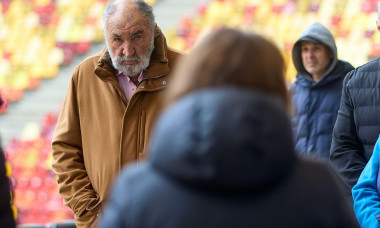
352,22
39,36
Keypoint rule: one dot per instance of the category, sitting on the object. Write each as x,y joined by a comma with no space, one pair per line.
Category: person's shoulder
364,74
92,59
174,55
371,66
89,63
345,65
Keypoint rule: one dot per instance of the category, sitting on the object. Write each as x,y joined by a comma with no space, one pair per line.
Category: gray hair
144,8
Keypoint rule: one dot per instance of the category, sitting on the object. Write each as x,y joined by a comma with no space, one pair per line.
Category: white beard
132,70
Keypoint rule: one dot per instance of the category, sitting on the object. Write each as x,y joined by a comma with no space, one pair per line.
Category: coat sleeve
68,163
347,153
365,194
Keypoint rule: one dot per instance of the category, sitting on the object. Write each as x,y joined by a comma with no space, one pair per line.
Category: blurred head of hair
229,57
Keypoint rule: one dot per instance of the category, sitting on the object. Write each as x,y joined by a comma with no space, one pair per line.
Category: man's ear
378,25
155,28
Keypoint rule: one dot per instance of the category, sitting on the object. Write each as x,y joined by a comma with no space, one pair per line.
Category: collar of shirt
121,74
126,83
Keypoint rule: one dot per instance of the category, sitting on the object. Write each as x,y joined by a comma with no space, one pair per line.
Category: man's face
315,58
130,41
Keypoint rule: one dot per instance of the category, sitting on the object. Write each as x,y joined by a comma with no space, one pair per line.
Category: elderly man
110,107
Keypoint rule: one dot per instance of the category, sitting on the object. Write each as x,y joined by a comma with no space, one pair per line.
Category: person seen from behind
222,152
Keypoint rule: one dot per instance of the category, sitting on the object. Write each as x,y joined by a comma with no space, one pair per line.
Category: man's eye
117,39
137,37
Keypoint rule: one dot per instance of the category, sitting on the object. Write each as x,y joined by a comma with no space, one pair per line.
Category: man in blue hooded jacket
316,92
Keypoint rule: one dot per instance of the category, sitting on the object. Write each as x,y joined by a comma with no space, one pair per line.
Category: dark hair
229,57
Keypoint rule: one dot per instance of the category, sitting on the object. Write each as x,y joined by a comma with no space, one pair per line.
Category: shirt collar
121,74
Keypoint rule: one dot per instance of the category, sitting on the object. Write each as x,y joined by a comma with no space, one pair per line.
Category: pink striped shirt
127,85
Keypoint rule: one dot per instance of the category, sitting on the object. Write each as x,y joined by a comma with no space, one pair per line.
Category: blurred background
42,41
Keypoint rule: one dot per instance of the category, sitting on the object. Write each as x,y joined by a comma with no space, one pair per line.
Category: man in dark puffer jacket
358,123
317,90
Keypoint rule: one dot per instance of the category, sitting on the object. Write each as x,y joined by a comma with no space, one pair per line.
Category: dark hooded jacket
358,124
315,104
225,158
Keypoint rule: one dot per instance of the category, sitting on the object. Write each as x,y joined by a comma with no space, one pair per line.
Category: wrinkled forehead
126,18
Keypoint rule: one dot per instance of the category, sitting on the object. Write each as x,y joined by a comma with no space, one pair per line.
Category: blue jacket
315,104
366,194
315,109
231,163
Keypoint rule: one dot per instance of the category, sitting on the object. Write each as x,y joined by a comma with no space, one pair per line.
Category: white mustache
125,58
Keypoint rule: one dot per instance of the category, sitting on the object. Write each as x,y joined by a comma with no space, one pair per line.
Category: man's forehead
126,29
127,22
310,43
128,32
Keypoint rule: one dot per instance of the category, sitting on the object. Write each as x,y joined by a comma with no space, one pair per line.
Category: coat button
164,82
142,87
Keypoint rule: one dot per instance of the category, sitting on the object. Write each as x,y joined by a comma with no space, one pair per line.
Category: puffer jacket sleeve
347,153
68,163
365,194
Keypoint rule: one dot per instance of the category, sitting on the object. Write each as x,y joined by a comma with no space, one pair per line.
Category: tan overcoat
99,130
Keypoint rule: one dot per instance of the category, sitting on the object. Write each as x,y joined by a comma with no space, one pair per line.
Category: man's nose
128,49
309,54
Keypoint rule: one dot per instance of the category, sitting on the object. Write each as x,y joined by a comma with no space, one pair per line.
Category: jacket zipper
122,98
159,76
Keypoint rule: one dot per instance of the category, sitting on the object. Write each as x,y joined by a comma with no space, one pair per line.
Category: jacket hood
316,33
229,139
